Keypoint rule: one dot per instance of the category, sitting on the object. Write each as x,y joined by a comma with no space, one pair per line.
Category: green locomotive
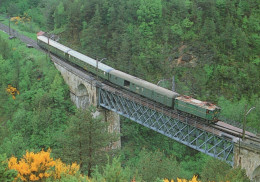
194,107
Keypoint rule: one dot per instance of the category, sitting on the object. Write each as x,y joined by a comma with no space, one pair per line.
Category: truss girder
180,131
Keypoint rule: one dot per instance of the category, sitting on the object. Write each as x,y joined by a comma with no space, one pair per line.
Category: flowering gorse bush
32,167
61,168
194,179
24,19
12,90
39,166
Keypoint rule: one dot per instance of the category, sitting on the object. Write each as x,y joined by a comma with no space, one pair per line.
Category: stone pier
83,93
247,156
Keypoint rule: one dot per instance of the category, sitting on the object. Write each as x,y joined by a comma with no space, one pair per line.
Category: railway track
220,128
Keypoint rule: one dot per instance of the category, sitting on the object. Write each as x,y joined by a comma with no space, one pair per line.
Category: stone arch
81,97
82,90
256,175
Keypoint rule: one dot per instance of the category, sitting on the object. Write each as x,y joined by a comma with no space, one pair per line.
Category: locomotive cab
204,110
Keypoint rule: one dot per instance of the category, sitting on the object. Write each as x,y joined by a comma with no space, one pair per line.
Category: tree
60,17
156,165
113,172
235,175
13,9
74,26
13,144
49,12
123,56
86,140
214,170
93,35
6,175
149,15
4,49
208,30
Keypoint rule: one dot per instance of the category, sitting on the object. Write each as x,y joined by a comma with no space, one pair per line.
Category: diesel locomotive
185,104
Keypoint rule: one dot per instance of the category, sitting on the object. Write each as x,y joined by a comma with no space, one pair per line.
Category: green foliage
38,114
192,165
236,175
233,110
214,170
6,175
149,14
60,16
86,136
185,162
152,165
92,35
186,23
68,178
4,49
238,108
146,39
143,37
13,145
112,172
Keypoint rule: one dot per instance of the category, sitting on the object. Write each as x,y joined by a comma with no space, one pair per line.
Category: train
184,104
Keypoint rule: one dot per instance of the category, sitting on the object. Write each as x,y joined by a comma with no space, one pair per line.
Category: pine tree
86,140
93,35
114,172
74,25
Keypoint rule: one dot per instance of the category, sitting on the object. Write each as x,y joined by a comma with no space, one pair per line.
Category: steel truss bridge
167,122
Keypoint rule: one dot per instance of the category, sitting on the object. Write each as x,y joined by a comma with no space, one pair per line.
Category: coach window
126,83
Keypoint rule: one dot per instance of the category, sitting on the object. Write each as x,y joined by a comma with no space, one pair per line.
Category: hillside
210,46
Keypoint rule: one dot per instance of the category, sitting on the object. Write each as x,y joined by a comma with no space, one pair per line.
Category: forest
211,47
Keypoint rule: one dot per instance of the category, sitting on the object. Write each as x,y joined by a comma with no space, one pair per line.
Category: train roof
54,43
76,54
145,84
199,103
90,61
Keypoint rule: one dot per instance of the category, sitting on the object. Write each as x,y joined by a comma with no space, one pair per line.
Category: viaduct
219,142
86,90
